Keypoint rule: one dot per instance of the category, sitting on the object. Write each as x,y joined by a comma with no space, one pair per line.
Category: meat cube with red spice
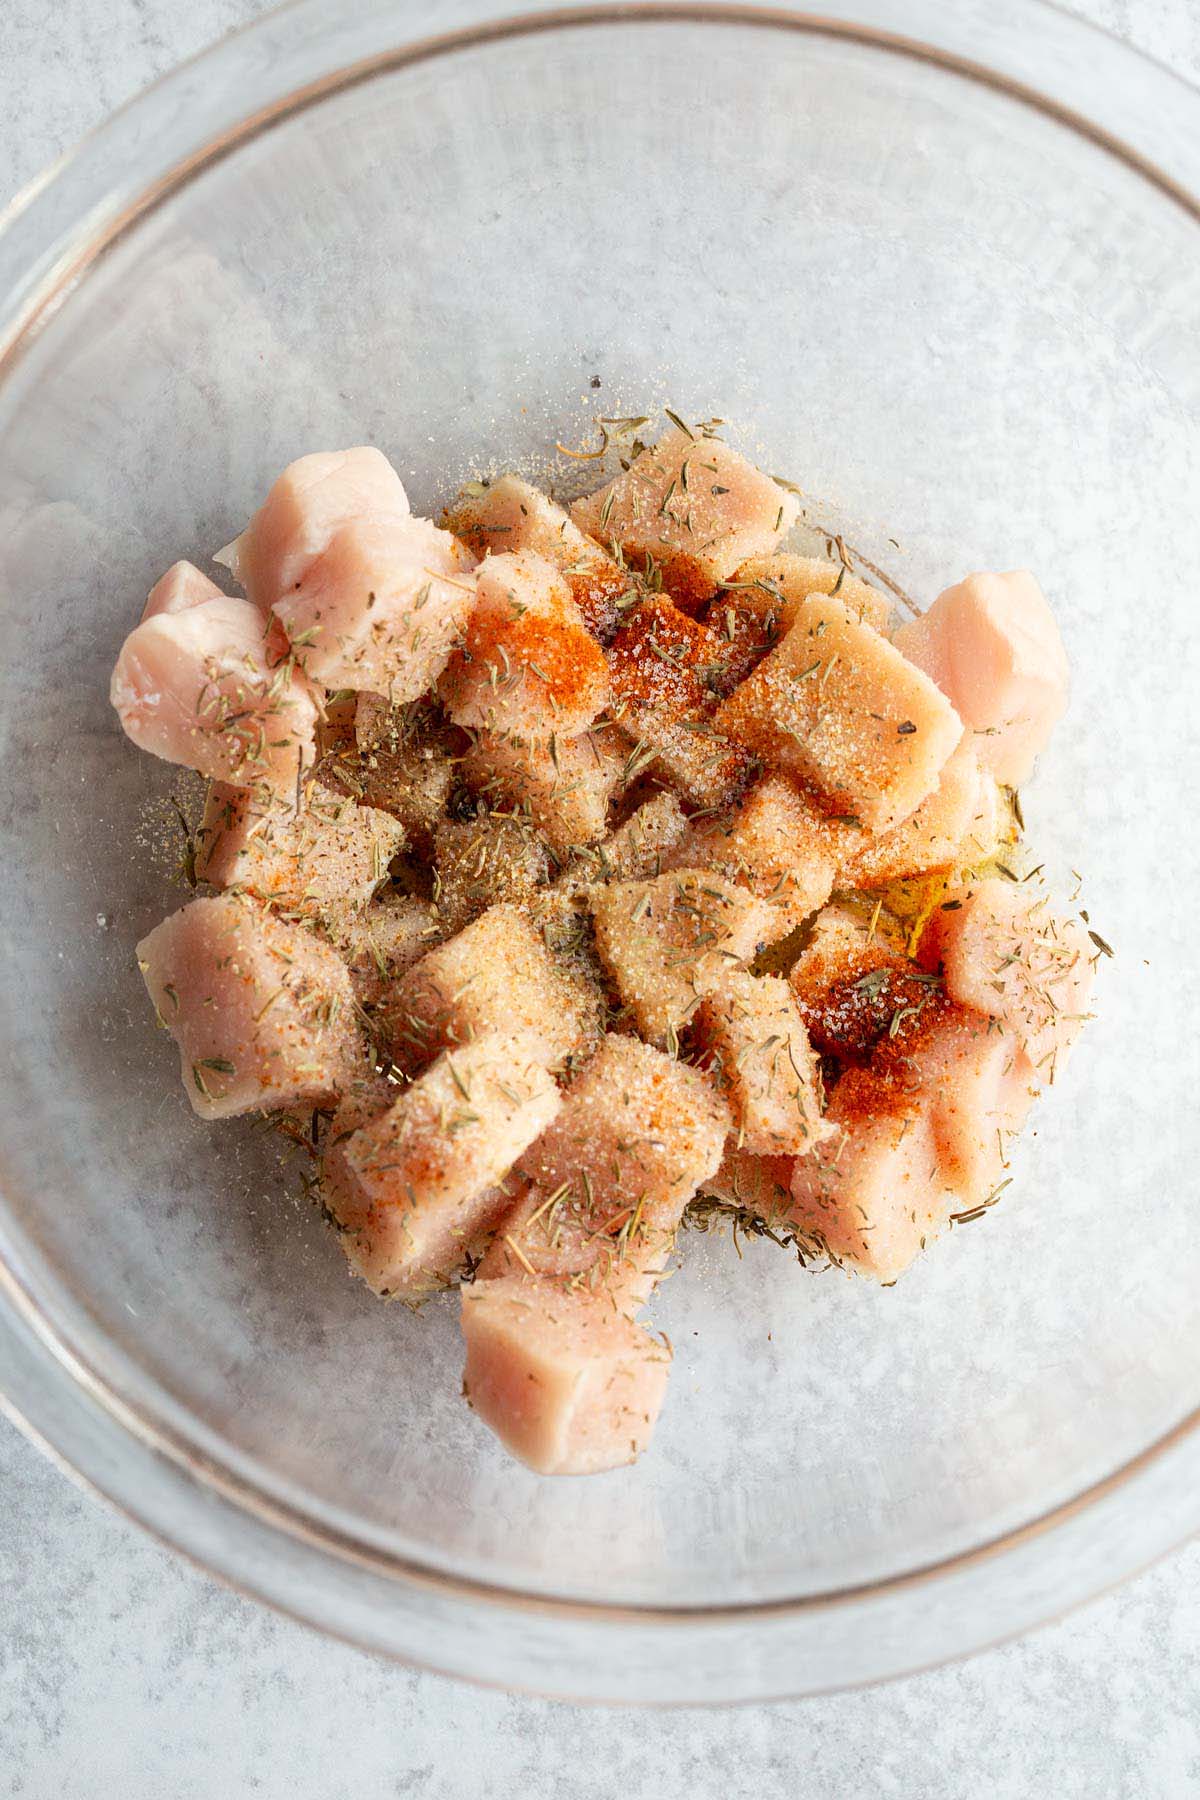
510,514
527,663
417,1186
692,509
609,1180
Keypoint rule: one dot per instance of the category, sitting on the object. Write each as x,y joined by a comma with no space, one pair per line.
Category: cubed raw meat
756,1043
757,606
981,1085
569,1386
923,1130
483,860
510,514
661,664
667,940
1005,949
689,509
854,983
495,975
332,853
958,824
311,500
261,1009
992,645
204,688
874,1195
637,1134
548,1234
563,785
417,1187
837,707
183,586
381,607
779,843
747,623
527,664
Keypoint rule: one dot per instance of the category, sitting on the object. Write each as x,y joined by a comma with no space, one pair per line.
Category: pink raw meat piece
992,645
204,687
569,1385
381,607
1005,949
310,500
262,1010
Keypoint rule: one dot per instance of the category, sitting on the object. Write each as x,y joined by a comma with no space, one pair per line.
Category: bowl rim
32,288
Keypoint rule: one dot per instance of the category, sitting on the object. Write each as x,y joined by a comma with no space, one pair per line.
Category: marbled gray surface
125,1673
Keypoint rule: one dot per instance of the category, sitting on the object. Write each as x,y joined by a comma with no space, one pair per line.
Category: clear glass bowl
940,264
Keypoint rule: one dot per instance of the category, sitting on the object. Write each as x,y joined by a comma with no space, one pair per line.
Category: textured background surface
123,1672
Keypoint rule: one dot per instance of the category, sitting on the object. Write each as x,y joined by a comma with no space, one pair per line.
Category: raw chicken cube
381,607
380,942
854,983
637,1134
981,1085
528,664
956,825
568,1385
183,586
992,645
758,605
329,854
875,1194
635,849
835,706
482,860
403,763
923,1129
261,1009
779,843
311,500
661,663
690,509
645,1128
666,941
510,514
757,1045
417,1187
495,975
780,584
581,1249
563,785
201,688
1004,948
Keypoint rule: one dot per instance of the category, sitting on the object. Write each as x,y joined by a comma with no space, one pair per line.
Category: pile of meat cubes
562,869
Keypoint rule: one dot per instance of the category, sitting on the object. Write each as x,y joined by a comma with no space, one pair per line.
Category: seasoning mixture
576,869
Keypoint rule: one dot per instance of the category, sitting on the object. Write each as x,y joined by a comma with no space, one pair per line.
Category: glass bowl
940,266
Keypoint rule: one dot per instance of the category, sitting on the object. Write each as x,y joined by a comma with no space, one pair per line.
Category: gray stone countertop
127,1674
